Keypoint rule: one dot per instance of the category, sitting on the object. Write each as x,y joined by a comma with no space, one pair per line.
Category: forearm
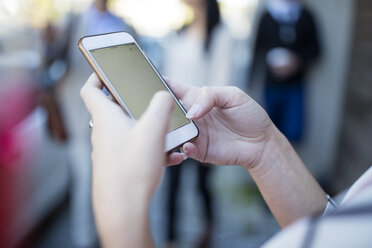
123,221
288,188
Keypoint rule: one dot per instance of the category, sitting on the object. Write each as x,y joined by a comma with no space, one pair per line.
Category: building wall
327,84
355,148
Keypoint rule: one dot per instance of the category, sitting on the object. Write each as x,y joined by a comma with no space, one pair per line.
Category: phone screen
134,79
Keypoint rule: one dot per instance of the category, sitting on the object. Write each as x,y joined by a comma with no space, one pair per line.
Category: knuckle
235,89
205,90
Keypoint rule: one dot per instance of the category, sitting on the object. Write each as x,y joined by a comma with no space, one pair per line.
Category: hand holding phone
128,161
132,81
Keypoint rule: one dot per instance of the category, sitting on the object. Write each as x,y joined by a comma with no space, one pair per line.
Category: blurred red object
17,101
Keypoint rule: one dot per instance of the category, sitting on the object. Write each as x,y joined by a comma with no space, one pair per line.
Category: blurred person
199,53
96,19
287,43
242,133
54,69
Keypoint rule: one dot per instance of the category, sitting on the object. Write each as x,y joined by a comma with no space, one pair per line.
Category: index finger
220,97
179,89
95,99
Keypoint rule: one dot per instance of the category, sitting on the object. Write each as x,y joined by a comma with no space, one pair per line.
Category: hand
288,69
128,156
233,128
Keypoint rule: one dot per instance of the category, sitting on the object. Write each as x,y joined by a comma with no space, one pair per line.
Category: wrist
111,200
119,213
127,227
285,183
273,146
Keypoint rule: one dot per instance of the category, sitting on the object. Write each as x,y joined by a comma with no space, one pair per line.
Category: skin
121,172
128,157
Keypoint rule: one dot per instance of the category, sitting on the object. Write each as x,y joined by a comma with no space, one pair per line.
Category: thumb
210,97
155,120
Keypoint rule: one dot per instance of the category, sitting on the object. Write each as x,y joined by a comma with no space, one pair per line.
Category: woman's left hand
128,156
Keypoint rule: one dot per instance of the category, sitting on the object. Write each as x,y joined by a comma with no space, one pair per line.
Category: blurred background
307,62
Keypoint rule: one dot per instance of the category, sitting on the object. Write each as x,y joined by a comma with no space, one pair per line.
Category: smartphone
132,80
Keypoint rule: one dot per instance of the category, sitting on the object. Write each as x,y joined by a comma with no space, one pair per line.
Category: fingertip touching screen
134,79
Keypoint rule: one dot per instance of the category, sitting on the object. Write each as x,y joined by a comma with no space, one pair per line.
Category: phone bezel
175,138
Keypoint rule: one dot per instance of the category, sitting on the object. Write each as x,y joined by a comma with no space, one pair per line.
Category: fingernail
193,111
184,156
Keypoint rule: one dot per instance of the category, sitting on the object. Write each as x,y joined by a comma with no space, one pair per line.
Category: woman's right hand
233,128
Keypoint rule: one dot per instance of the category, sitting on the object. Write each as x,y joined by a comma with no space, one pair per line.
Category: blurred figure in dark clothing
54,69
287,40
55,51
174,177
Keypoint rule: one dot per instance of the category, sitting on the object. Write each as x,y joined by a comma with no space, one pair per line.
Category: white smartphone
132,80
